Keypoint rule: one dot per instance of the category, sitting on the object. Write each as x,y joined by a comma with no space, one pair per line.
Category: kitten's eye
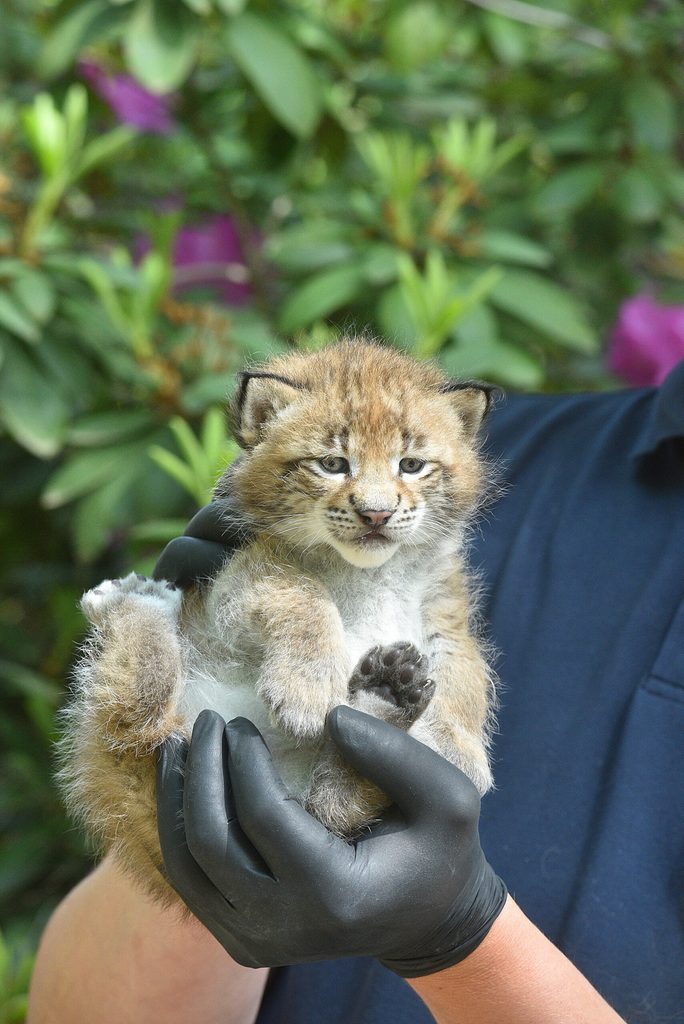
411,465
334,464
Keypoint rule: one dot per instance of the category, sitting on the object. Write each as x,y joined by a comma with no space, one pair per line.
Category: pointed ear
258,399
472,400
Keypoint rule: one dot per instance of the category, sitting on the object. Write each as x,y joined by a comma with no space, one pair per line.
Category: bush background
484,182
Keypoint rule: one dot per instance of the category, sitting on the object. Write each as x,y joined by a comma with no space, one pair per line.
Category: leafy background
186,185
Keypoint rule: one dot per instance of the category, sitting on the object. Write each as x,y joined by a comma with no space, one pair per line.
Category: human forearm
516,976
110,954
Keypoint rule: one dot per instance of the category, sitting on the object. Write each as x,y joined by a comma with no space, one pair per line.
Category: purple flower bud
647,341
129,100
210,254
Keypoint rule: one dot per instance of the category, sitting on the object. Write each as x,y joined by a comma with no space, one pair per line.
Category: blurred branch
530,14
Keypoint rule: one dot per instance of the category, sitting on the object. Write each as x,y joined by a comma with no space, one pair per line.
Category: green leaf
320,295
545,306
652,114
36,293
480,352
639,200
75,113
279,72
254,337
673,184
64,42
100,279
158,531
496,360
155,273
85,471
15,1009
45,130
433,301
23,861
160,44
31,408
415,35
214,387
14,318
508,39
512,248
104,148
30,683
102,428
478,327
176,468
573,136
98,514
394,318
23,972
568,190
213,438
5,961
189,444
231,7
310,245
380,263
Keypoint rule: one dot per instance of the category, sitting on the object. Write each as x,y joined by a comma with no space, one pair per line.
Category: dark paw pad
398,673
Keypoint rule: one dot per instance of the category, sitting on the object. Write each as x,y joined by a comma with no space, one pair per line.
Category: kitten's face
364,496
366,459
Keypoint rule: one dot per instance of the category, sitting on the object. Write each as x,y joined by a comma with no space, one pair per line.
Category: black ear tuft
258,399
473,399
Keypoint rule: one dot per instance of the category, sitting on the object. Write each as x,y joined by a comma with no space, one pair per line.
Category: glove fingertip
242,727
172,750
347,726
207,720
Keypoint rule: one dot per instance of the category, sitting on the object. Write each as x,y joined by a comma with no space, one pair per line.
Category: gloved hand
209,538
275,887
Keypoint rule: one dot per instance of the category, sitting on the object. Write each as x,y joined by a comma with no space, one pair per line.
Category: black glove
275,887
209,538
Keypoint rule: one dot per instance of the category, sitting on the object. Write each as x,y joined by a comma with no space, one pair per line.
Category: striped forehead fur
372,405
364,382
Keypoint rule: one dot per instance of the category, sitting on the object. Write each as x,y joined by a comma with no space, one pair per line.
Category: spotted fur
360,475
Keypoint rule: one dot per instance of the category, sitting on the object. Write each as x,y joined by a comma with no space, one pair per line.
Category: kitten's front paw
392,683
302,720
104,600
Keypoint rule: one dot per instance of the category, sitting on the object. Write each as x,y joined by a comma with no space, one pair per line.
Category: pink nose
375,516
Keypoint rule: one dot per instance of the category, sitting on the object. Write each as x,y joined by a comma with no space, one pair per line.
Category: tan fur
277,634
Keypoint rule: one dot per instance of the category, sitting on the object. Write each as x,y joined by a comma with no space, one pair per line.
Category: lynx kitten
359,477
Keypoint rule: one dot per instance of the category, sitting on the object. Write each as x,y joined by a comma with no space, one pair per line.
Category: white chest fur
376,606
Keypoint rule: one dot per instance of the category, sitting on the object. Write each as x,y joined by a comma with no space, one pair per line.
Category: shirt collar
666,417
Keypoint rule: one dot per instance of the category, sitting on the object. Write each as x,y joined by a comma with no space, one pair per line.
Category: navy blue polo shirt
582,561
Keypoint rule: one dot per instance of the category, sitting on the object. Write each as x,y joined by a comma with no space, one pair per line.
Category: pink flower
129,100
647,341
210,254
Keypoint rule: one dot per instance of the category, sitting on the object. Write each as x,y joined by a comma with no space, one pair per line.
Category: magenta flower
210,254
129,100
647,341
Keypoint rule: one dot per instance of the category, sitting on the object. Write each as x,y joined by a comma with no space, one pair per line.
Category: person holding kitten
582,564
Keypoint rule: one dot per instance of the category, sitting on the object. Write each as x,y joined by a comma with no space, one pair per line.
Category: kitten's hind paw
392,682
107,598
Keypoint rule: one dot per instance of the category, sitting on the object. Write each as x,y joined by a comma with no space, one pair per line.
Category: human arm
516,976
416,892
110,954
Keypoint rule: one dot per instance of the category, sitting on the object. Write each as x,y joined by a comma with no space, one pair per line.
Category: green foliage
204,457
16,964
479,186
